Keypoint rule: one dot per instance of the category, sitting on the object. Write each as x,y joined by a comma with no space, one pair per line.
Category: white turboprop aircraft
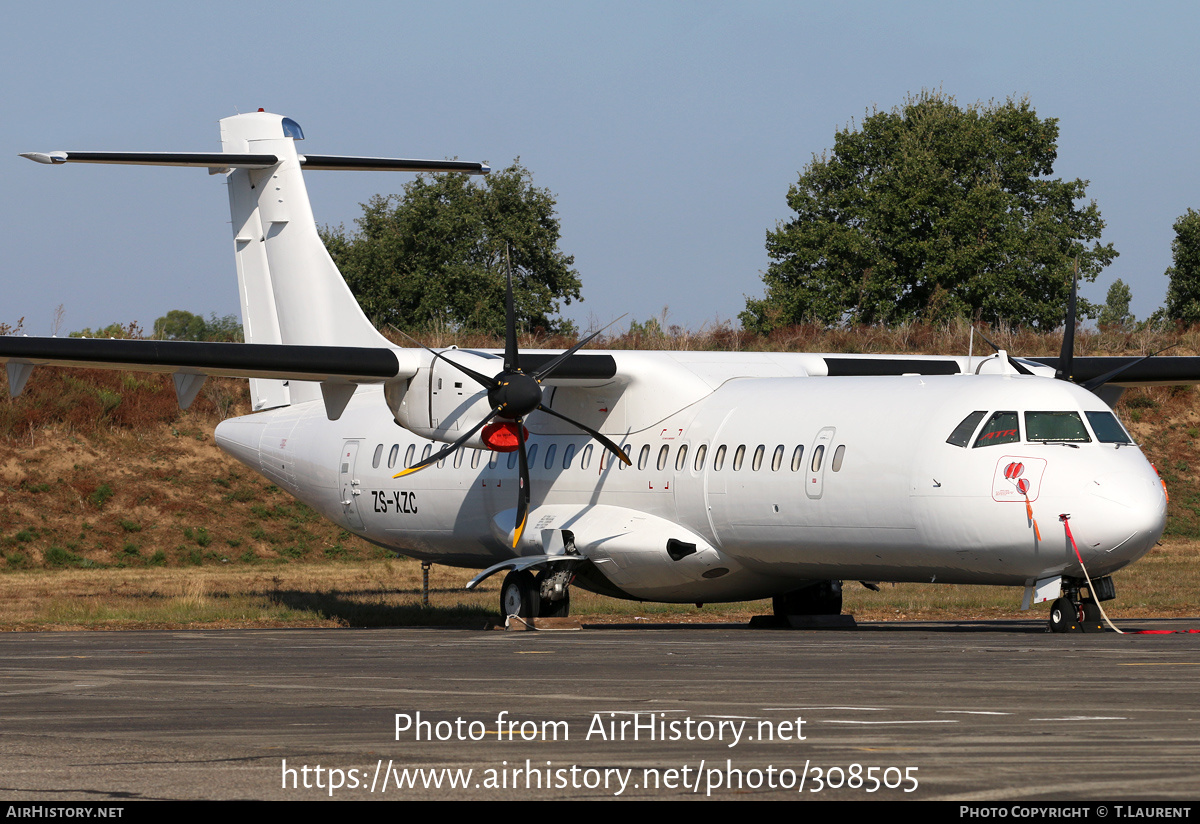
741,475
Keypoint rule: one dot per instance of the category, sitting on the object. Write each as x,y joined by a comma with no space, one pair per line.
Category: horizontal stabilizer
230,160
203,160
239,360
389,164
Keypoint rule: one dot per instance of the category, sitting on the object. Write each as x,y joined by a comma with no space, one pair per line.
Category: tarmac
981,711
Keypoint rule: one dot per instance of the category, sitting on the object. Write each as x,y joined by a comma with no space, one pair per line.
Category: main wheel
1063,615
820,598
556,609
519,595
1090,619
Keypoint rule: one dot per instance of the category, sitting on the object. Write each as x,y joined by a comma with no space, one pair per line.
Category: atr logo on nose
1018,478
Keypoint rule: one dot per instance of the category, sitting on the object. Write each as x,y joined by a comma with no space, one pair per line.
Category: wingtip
48,158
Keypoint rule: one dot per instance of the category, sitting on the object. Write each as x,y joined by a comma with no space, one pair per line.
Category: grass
388,593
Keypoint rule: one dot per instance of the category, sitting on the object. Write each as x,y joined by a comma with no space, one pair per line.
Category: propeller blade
1096,383
545,371
442,453
512,358
1066,358
482,380
523,490
609,445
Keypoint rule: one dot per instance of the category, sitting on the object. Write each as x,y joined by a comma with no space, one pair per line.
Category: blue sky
669,132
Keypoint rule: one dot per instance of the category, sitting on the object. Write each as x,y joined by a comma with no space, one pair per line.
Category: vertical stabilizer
291,291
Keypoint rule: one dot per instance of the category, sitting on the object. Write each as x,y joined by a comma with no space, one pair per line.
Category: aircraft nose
1126,514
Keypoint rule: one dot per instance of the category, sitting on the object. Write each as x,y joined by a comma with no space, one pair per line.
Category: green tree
932,211
1116,306
435,255
179,324
1183,293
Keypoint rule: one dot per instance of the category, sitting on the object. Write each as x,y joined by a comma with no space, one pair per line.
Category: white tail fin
291,291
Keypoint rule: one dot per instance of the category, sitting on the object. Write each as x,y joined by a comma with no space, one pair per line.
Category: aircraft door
818,457
349,485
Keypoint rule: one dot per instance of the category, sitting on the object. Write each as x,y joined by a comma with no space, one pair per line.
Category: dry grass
388,593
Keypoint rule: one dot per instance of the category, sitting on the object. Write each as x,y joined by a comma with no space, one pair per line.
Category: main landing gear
546,596
818,598
1078,610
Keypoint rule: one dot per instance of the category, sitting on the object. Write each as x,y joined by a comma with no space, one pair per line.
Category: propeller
512,395
1065,371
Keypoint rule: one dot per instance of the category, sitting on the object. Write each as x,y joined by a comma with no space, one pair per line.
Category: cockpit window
1000,428
1107,428
1066,427
961,436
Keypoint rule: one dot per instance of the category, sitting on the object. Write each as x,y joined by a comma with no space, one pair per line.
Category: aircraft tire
1091,620
820,598
1063,616
556,609
519,595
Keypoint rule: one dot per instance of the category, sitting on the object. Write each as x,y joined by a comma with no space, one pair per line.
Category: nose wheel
1070,615
1064,616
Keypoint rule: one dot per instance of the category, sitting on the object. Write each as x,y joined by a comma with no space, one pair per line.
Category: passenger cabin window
961,436
586,460
798,458
1000,428
568,454
475,458
550,450
701,451
681,458
644,456
409,454
818,453
719,460
662,457
1063,427
1107,428
837,458
458,456
738,456
393,455
777,458
378,455
756,464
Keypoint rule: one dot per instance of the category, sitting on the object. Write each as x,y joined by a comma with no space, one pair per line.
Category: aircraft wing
338,369
1156,371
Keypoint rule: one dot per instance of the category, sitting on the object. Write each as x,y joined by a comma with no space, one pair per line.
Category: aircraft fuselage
770,482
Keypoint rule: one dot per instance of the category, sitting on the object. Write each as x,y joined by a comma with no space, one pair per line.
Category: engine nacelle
441,402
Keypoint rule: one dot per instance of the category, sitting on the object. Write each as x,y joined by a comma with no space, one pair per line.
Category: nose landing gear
1078,610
